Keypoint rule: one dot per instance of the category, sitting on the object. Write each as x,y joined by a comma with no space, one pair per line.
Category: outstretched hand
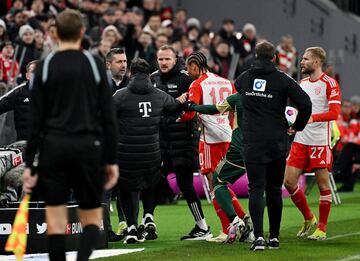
182,98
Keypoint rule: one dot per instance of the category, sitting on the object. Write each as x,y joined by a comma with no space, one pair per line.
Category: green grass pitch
343,241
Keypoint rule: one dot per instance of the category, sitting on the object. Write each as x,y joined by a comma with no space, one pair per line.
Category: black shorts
67,163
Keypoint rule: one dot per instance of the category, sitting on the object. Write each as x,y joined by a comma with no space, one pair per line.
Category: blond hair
318,52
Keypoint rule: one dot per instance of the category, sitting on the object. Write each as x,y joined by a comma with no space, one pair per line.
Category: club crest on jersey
259,85
317,90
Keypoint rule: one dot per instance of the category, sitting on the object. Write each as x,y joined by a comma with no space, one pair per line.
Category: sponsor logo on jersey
259,85
145,109
322,162
26,99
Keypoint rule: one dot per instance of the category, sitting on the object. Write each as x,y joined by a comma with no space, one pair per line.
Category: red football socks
222,216
236,204
299,199
324,209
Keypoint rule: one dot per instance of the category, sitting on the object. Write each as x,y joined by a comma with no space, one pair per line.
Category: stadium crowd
139,29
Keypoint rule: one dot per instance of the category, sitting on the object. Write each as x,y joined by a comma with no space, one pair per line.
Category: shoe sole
205,237
316,238
212,240
258,248
270,247
218,239
131,240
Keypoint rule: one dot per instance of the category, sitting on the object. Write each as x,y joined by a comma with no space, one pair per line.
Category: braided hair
199,59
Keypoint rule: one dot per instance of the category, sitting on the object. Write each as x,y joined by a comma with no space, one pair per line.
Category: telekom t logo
145,108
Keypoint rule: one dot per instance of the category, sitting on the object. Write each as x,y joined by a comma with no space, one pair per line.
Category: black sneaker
150,229
273,243
112,237
198,234
141,234
133,236
258,244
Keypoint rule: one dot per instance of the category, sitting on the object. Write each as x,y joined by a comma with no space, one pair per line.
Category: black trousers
184,177
266,179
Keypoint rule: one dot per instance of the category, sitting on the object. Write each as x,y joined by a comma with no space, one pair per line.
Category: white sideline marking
344,235
357,257
71,256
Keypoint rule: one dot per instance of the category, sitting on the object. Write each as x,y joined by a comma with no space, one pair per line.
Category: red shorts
210,155
308,157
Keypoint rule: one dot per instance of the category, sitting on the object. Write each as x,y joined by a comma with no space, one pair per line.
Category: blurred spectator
3,33
160,40
193,34
222,59
51,41
166,13
102,49
112,35
153,25
247,41
8,64
343,123
193,22
108,18
17,19
227,33
37,8
149,7
180,21
146,49
39,40
351,150
286,56
167,29
205,39
27,51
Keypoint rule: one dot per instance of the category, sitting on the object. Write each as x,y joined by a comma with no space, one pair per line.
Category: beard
307,71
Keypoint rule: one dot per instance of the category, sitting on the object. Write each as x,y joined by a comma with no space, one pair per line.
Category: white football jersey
213,89
322,92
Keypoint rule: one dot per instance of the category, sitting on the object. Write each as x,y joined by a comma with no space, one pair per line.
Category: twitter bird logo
41,228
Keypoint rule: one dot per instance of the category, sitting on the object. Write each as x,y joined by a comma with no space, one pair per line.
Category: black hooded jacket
139,108
179,140
265,91
18,100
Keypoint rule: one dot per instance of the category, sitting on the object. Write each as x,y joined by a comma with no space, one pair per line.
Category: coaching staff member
265,91
71,108
139,108
18,100
179,140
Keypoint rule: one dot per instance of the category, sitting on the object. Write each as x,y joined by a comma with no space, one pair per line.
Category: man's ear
274,58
